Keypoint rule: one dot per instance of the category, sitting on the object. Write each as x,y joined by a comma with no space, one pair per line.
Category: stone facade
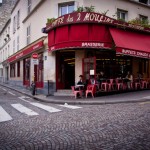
5,11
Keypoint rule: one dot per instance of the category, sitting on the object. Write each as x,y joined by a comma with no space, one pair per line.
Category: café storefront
85,43
22,71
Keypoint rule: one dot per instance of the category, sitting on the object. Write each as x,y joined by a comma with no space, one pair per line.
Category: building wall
79,55
134,9
5,11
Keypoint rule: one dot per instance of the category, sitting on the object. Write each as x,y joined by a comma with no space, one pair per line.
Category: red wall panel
61,34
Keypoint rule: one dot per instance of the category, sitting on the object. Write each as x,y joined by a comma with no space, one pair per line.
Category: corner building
75,43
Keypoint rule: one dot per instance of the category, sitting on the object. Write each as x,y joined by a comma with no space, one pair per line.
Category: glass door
89,67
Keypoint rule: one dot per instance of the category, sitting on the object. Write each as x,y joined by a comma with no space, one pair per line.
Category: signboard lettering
91,17
135,53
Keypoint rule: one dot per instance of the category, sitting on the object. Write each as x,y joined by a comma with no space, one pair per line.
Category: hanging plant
85,9
50,20
138,21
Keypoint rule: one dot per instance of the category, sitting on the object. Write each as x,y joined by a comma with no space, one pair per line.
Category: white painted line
147,97
4,89
47,108
24,109
11,93
4,116
22,98
70,106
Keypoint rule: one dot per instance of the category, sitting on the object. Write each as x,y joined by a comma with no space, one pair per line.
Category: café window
27,69
18,69
12,70
66,8
40,69
122,15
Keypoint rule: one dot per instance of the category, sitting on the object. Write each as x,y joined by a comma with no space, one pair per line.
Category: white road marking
22,98
70,106
4,116
47,108
4,89
11,93
24,110
147,97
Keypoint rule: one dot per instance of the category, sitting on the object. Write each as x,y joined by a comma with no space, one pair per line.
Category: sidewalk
128,97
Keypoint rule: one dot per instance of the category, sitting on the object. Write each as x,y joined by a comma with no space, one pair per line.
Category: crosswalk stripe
70,106
24,110
47,108
11,93
4,116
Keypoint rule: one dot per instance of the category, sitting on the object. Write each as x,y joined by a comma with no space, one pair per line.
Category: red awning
26,51
131,43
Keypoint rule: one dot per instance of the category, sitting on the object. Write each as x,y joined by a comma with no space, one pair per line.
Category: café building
87,43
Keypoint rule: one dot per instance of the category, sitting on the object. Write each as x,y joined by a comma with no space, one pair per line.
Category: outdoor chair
91,90
77,92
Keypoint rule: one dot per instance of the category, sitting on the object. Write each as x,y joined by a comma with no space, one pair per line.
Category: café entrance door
89,67
65,69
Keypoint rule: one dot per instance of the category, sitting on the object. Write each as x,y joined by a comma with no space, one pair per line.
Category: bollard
33,86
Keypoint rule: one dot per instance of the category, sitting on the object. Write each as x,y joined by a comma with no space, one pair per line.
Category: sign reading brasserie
90,17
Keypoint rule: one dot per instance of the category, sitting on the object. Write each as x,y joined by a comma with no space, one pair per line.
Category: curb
80,102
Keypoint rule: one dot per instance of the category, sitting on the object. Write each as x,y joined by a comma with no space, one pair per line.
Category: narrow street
28,124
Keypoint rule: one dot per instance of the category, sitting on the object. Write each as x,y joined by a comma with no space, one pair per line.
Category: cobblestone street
90,127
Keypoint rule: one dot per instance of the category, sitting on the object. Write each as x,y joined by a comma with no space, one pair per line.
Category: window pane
70,8
123,16
63,10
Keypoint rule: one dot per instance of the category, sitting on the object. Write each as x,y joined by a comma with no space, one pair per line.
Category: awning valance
131,43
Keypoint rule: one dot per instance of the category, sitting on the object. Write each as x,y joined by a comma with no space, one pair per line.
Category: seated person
92,80
80,82
129,76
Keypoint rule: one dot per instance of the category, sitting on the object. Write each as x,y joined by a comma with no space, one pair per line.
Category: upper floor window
17,43
122,14
144,1
28,34
8,51
18,19
29,6
1,1
144,19
13,46
66,8
14,24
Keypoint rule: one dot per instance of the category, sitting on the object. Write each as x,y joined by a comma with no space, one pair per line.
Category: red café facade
84,41
21,69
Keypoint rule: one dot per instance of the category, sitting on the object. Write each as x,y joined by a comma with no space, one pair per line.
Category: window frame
28,35
12,70
140,1
13,46
143,18
18,68
67,4
14,24
119,14
29,4
18,18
